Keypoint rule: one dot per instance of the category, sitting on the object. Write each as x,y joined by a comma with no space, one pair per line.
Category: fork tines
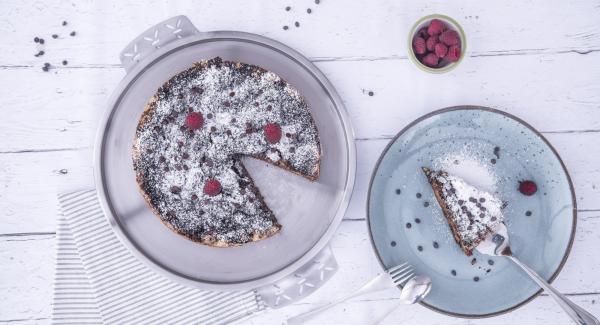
400,273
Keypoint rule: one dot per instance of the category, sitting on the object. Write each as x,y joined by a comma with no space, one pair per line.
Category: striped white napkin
99,281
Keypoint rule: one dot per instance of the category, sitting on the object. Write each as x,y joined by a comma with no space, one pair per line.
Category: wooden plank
31,180
28,270
345,29
52,113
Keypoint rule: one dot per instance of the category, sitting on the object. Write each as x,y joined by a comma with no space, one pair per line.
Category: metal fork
392,277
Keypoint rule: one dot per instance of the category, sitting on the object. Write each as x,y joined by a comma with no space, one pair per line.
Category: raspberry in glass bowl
437,43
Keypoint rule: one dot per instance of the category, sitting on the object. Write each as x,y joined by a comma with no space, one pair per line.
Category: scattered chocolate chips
436,245
166,169
285,27
497,152
41,41
476,279
461,202
288,8
528,213
371,93
36,39
408,225
490,262
209,116
185,155
481,199
162,159
393,243
473,261
398,191
54,36
72,33
65,62
226,103
228,132
453,272
420,248
46,67
231,94
194,197
417,220
213,129
175,189
292,149
233,120
419,195
473,200
64,23
426,203
297,24
493,161
308,11
317,1
493,219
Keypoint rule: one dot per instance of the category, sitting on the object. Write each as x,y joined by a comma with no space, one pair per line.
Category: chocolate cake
471,213
190,139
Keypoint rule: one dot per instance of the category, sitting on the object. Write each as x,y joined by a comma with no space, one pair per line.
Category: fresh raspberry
272,132
431,60
440,50
453,53
431,43
450,37
194,121
527,187
212,187
419,45
436,26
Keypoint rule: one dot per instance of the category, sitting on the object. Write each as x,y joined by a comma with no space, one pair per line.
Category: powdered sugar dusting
173,163
466,166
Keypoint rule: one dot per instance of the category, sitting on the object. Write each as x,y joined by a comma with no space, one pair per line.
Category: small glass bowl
451,24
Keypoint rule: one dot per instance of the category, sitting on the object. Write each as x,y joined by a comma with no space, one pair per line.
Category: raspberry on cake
190,139
471,213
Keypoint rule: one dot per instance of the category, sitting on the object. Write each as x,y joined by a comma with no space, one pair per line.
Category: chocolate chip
371,93
408,225
162,159
180,143
453,272
490,262
528,213
156,128
308,10
54,36
72,33
288,135
269,108
42,41
242,190
209,163
178,167
469,227
233,120
420,248
196,90
213,129
180,96
483,208
288,8
251,200
481,215
64,23
149,151
297,24
426,204
65,62
190,109
248,130
292,149
285,28
185,155
494,219
417,220
182,128
228,132
476,279
166,169
226,103
317,1
209,116
488,270
185,167
36,39
231,94
461,202
248,125
493,161
472,199
481,199
473,261
436,245
194,197
256,104
175,189
393,243
463,208
398,191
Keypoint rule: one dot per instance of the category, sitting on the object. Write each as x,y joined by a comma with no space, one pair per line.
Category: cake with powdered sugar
190,139
471,213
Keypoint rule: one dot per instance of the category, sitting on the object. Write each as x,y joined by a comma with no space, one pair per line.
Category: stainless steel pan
283,268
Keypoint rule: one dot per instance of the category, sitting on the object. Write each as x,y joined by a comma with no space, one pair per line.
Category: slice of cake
471,213
192,135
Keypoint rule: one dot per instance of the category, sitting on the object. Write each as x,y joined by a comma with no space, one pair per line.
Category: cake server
497,244
392,277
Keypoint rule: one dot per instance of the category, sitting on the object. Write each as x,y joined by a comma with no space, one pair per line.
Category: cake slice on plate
471,213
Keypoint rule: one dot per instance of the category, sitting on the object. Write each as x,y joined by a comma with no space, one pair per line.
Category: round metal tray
309,211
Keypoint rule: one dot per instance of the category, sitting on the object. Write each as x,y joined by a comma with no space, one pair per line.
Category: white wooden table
538,60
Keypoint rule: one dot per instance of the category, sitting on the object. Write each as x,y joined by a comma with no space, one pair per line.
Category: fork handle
577,314
372,286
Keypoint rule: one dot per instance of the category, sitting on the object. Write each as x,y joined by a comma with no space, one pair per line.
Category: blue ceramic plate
493,151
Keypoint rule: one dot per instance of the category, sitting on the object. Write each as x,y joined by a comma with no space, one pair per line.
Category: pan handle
154,38
306,280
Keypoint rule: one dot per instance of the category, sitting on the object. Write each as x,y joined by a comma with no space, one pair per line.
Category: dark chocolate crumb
162,159
419,195
194,197
461,202
493,218
285,28
54,36
185,155
72,33
488,270
398,191
42,41
231,94
481,199
317,1
175,189
36,39
371,93
288,8
426,203
528,213
408,225
453,272
476,279
297,24
64,23
473,261
65,62
393,243
420,248
490,262
308,11
417,220
209,116
493,161
436,245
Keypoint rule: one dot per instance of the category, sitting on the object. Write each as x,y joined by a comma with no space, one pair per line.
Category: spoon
414,291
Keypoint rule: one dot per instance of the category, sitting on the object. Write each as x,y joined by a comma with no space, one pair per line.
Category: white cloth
98,281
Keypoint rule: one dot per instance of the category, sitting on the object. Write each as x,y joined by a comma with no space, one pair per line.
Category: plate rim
537,133
140,68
